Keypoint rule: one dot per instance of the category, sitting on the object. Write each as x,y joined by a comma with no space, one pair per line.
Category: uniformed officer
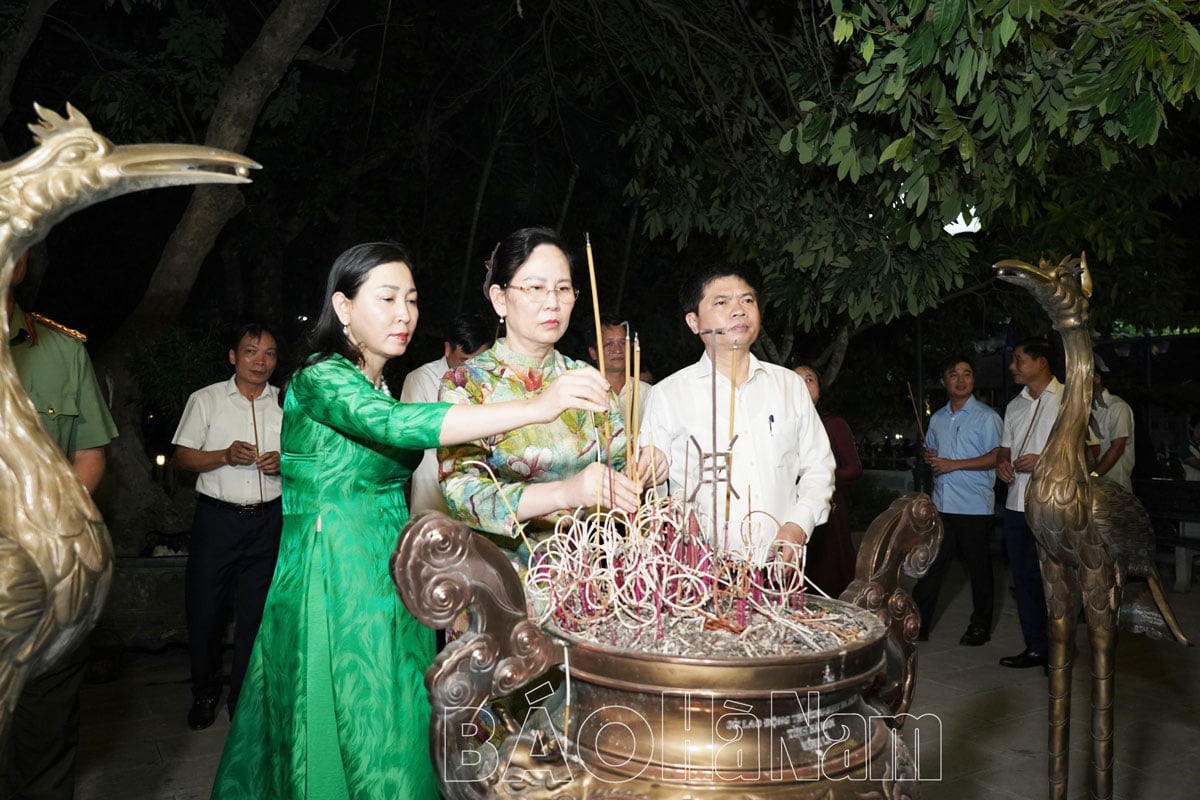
39,759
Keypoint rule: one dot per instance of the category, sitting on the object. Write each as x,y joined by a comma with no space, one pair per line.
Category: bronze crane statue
1092,534
55,552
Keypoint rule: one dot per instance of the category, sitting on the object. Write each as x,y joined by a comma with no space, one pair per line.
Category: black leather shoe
202,713
1024,660
975,636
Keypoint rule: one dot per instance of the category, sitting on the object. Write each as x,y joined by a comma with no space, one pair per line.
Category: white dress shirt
217,416
1114,420
1027,424
422,386
782,464
643,398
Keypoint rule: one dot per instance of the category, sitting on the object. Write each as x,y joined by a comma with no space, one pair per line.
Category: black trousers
43,738
233,552
1027,579
967,536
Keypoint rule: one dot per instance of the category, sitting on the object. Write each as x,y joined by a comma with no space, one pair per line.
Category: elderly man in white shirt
229,434
781,468
614,334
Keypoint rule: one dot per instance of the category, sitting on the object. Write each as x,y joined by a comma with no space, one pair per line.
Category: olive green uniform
39,762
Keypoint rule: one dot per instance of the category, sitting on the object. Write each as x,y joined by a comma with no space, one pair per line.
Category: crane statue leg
1102,594
1062,605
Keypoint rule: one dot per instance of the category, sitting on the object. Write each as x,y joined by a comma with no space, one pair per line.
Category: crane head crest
1062,289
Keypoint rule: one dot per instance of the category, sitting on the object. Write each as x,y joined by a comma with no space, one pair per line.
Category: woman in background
831,553
334,704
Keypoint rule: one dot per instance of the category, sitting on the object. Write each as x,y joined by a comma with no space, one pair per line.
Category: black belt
244,509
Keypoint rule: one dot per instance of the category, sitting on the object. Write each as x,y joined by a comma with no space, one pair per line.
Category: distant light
961,225
160,460
897,436
302,318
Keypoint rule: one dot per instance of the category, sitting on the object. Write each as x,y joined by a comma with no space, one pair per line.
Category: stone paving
136,744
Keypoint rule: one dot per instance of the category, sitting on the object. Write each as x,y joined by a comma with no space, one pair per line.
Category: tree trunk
837,355
483,182
568,196
630,234
13,52
135,504
239,104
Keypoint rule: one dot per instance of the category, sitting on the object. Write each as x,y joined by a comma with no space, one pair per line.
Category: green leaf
914,237
788,140
843,29
868,48
893,148
965,73
1008,27
947,14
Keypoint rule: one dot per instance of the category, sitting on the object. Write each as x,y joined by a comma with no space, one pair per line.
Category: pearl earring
346,331
502,320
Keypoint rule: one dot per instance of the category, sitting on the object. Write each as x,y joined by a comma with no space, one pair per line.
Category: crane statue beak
1020,273
147,166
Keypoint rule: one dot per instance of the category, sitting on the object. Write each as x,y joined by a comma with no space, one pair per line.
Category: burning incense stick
595,305
634,424
607,444
629,397
729,457
917,414
257,452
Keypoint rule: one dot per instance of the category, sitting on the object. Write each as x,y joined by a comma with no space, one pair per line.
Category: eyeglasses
567,295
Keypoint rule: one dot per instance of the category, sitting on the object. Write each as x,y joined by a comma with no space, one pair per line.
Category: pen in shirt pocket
771,423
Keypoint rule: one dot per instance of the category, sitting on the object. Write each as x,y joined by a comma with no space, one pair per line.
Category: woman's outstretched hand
582,388
596,483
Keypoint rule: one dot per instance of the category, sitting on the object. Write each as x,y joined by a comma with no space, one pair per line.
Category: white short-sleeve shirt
1027,424
217,416
422,386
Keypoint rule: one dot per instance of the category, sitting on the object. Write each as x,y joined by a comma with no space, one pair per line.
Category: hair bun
490,267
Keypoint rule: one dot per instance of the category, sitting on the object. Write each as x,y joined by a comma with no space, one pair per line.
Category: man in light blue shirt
960,448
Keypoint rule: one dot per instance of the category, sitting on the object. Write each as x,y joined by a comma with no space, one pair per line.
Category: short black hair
254,330
692,291
610,320
954,359
469,331
1037,347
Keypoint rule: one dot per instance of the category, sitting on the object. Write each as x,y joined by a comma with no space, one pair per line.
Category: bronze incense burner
605,722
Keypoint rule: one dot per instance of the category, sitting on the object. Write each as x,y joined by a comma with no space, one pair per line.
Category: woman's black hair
514,250
347,275
816,374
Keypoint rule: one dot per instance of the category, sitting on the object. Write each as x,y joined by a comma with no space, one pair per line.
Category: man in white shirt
229,434
613,338
1027,422
467,335
1111,429
780,474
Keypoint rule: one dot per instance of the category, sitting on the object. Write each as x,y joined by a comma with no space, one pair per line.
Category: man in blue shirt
960,448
